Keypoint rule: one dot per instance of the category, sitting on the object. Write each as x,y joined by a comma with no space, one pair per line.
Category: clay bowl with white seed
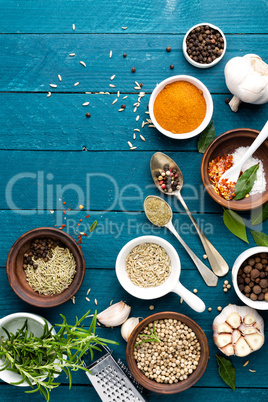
181,385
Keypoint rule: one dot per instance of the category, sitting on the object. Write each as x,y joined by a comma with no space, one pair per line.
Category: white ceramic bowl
258,305
15,321
194,63
206,95
172,283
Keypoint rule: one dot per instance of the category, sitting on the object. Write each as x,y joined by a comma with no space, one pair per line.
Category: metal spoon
218,264
209,277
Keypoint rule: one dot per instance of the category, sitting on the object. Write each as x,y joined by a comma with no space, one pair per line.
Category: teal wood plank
33,121
105,287
86,393
97,180
140,16
32,62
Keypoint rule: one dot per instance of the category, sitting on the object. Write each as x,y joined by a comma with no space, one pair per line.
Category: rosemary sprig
39,359
149,338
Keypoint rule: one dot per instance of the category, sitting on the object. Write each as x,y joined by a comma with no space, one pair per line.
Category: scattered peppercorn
124,55
227,100
88,115
204,44
141,84
171,66
133,69
123,106
168,49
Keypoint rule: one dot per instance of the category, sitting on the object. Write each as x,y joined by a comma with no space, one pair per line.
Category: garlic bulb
114,315
247,79
238,330
128,327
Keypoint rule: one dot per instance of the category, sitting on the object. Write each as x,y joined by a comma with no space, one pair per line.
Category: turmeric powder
180,107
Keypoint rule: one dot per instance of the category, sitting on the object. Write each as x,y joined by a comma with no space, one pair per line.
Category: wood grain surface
51,153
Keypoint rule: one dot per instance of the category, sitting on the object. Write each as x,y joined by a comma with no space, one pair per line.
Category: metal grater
112,380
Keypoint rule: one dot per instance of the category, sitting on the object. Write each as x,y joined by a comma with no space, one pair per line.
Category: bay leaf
235,224
93,226
245,182
259,215
206,138
226,371
260,238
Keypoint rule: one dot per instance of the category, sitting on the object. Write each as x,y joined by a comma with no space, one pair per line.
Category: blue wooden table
51,153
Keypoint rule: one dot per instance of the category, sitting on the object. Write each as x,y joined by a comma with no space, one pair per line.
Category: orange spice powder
180,107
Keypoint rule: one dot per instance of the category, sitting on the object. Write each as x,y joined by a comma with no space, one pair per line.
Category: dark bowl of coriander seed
175,360
204,45
45,267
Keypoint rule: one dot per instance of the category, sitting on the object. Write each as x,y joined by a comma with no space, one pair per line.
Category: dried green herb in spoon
39,359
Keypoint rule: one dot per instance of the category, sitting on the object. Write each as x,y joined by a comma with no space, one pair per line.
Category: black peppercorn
227,101
168,49
123,106
124,55
171,67
133,69
88,115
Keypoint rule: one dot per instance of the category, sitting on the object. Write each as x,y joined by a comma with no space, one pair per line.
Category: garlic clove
234,320
128,327
236,335
242,348
114,315
249,319
255,341
247,330
224,328
228,350
222,340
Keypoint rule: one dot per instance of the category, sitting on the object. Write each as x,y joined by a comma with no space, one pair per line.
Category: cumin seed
252,371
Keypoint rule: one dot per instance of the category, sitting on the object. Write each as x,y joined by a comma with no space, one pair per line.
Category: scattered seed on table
87,299
219,308
228,286
227,100
246,363
137,83
143,124
121,110
72,54
137,129
149,120
118,94
225,290
129,144
181,300
96,301
252,371
124,27
133,69
133,148
209,309
124,55
77,83
134,136
135,109
59,77
137,118
73,27
151,307
88,115
141,84
111,53
125,97
88,291
83,63
142,138
87,92
112,85
168,49
81,206
53,85
111,302
49,94
146,112
151,125
114,101
85,103
171,66
73,299
123,106
112,77
195,290
205,256
137,88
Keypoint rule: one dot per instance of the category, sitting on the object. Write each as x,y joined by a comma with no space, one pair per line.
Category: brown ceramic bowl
181,385
227,143
17,277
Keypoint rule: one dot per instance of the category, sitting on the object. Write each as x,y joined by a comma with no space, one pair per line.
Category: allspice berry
133,69
255,273
266,297
263,283
256,289
88,115
168,49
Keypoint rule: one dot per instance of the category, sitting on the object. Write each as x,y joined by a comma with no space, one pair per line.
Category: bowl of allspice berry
250,277
45,267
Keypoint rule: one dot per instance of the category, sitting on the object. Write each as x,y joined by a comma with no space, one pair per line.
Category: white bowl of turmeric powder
181,107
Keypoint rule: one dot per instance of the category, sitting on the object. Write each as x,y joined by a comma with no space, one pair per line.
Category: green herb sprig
149,338
39,359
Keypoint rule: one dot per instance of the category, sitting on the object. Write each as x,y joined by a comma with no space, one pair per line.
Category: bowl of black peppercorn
204,45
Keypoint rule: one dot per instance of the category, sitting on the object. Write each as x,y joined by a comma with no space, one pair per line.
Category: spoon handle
209,277
218,264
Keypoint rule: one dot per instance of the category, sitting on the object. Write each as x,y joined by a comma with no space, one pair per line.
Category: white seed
141,94
228,286
87,92
124,27
121,110
219,308
147,113
53,85
107,93
151,125
246,363
137,83
73,27
77,83
209,309
83,63
137,129
96,302
205,256
111,53
88,291
73,299
72,54
112,77
181,300
195,290
137,88
112,85
226,282
49,94
87,299
225,290
143,124
133,148
129,144
149,120
252,371
111,302
151,307
142,138
118,94
125,97
85,103
114,101
137,118
59,77
135,109
134,136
